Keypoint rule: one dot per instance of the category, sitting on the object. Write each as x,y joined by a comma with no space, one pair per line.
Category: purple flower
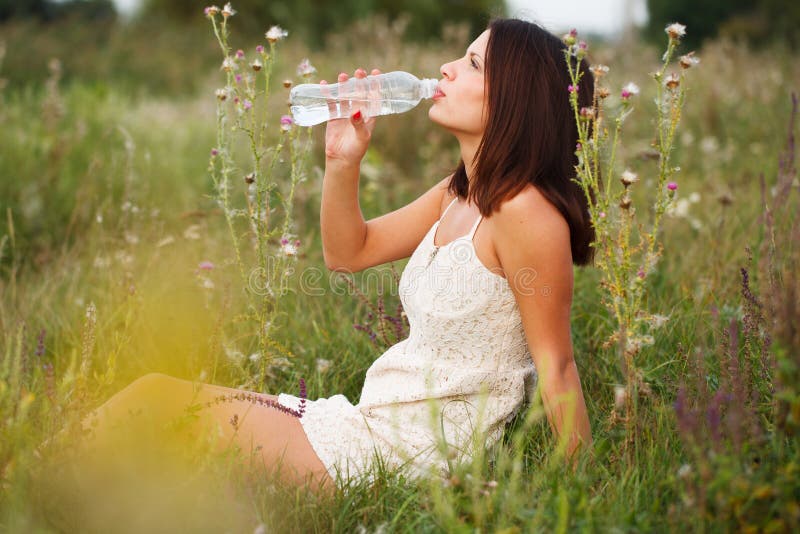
240,54
572,88
284,241
260,49
286,123
672,186
238,78
247,104
214,152
205,265
640,274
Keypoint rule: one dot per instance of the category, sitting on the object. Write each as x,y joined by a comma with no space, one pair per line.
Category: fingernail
357,115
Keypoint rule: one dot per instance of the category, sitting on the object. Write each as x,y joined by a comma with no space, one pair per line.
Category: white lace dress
463,372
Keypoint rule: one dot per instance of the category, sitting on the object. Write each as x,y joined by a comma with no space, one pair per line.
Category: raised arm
348,242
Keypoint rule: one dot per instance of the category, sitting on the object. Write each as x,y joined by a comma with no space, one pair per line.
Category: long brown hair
530,134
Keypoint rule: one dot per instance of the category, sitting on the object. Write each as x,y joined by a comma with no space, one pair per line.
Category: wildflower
572,88
640,274
214,152
672,81
629,178
228,64
256,65
290,249
222,94
620,396
672,186
323,365
210,11
286,123
603,92
625,203
569,38
250,178
260,49
305,68
240,54
587,113
675,31
238,78
629,90
599,70
657,321
684,471
688,60
287,83
247,104
205,266
276,33
228,11
602,214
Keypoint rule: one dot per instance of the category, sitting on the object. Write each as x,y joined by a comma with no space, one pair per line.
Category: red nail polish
357,115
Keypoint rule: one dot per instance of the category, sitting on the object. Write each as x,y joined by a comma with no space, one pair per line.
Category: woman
488,304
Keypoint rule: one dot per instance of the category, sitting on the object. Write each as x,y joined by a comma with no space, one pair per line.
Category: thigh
269,436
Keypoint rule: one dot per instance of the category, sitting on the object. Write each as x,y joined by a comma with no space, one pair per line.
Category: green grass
108,203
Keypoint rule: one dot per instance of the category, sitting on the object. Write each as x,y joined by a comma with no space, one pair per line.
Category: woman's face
463,106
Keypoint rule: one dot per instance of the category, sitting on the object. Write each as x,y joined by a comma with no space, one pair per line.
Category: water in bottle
380,94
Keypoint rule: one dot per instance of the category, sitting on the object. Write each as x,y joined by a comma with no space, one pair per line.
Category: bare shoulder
530,234
530,212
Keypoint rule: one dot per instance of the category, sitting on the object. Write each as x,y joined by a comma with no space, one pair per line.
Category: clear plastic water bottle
379,94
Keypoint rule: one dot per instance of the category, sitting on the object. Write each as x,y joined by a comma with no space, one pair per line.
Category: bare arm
348,242
532,242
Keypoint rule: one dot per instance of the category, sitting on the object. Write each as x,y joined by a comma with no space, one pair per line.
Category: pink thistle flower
572,88
214,152
629,90
205,265
286,123
240,54
640,274
284,241
602,215
260,49
247,104
238,78
210,11
672,186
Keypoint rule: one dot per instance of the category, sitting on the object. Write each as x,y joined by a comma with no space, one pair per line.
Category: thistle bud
287,83
256,65
250,178
603,92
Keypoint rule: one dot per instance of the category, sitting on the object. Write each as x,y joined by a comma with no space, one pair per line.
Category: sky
597,16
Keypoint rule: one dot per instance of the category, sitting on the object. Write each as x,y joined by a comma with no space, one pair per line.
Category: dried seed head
228,11
603,92
629,178
726,199
287,83
625,203
221,94
256,65
675,31
250,178
689,60
599,70
672,81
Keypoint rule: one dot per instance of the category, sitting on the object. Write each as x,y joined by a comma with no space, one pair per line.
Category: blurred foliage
313,20
759,22
47,10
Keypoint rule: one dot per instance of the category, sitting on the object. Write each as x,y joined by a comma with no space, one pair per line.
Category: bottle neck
428,87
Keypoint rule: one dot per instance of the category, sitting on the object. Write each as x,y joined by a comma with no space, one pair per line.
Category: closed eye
473,63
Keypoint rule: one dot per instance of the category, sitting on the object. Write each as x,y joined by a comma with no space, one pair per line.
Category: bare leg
269,435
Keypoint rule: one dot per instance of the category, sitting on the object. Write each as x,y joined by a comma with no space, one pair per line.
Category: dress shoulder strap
448,207
475,227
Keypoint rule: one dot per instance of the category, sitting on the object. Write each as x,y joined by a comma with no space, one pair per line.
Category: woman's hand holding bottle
346,140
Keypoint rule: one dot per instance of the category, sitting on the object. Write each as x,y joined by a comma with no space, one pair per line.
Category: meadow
116,260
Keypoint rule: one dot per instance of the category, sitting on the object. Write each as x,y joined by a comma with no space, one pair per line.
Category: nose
446,70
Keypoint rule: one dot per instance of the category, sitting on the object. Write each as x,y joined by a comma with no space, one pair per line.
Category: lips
438,93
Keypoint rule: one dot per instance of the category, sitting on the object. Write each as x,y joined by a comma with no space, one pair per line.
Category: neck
469,148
